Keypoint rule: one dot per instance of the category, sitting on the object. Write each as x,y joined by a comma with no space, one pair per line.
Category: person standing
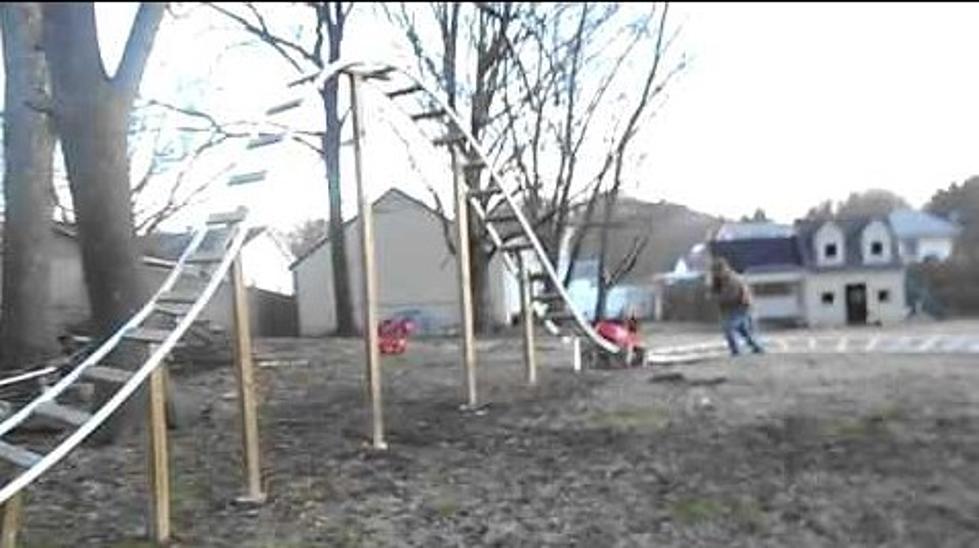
734,301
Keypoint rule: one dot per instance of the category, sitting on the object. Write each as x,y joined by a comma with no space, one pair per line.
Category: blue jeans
740,323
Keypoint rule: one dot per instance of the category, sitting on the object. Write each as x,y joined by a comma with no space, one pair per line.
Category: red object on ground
393,335
617,333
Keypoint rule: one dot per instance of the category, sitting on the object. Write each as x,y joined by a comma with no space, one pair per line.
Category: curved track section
398,85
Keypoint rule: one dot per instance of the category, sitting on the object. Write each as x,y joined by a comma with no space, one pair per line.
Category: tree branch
138,47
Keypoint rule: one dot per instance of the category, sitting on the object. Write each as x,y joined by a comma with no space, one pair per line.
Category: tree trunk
27,332
92,116
479,274
343,303
91,112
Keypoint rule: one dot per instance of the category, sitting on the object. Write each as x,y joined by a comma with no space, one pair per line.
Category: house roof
392,193
759,254
752,230
909,223
852,230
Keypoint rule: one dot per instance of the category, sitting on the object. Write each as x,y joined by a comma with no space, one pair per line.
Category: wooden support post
527,316
12,513
576,342
159,465
244,367
465,285
366,211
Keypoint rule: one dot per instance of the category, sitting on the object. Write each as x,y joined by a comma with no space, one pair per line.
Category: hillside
671,228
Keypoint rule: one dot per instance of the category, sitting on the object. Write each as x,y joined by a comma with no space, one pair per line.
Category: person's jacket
732,293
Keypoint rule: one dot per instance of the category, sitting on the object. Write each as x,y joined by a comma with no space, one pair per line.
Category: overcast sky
783,106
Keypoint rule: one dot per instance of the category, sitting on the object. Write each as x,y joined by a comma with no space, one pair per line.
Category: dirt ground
772,450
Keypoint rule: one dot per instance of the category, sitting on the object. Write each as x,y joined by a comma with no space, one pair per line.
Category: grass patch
445,507
632,418
873,423
744,513
694,510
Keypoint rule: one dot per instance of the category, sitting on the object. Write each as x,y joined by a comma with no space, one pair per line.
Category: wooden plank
285,106
450,139
404,91
106,374
465,286
147,335
516,246
178,297
172,309
229,217
245,178
62,413
246,386
205,258
25,458
12,514
485,192
437,113
369,272
159,464
266,139
527,316
501,218
379,74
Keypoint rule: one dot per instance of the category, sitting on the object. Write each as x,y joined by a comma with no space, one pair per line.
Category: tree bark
343,302
91,112
27,332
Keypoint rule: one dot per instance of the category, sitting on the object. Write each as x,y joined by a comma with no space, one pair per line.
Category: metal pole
576,349
369,274
465,285
527,316
246,387
159,465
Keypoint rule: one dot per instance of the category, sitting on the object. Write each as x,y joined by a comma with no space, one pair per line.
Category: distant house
828,273
416,274
922,236
774,269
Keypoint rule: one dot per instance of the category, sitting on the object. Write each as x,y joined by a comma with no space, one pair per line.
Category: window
876,249
884,296
830,251
829,297
772,289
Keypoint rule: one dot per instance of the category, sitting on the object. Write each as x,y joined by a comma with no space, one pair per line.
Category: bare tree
27,331
307,235
471,68
91,111
329,20
580,56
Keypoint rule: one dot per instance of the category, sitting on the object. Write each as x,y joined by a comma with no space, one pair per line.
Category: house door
856,303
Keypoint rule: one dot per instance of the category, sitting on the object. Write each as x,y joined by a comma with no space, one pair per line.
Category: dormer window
876,243
829,245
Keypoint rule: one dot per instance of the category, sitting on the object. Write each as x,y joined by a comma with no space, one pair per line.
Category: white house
827,273
923,236
856,275
416,274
